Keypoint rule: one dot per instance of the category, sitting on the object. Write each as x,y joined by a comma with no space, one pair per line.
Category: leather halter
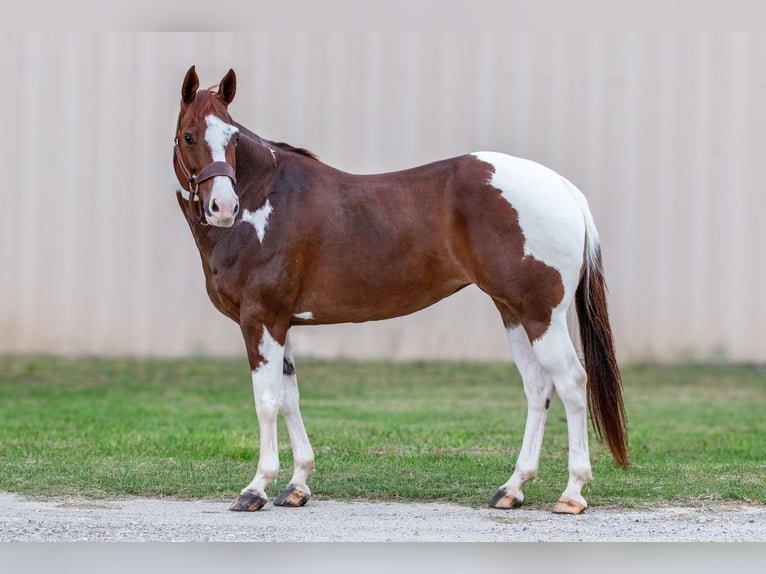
211,170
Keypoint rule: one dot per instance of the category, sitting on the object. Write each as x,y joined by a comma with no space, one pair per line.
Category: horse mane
298,150
280,145
213,91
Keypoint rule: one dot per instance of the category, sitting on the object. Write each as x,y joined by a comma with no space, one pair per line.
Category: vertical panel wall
665,134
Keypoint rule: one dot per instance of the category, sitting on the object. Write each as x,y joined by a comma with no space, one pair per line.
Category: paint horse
287,240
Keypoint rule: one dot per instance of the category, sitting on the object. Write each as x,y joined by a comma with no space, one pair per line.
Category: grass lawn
419,431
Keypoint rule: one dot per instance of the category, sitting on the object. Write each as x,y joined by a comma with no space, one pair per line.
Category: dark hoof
504,500
291,496
247,502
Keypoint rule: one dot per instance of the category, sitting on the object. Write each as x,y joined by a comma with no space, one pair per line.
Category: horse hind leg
557,357
538,387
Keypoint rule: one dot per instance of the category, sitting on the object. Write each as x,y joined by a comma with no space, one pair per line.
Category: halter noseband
210,171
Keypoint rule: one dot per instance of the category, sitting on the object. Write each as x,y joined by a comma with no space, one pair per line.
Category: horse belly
373,289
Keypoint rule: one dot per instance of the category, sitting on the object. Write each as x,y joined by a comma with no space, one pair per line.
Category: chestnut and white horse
287,240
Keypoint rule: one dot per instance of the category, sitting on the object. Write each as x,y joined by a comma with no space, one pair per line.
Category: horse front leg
297,492
266,356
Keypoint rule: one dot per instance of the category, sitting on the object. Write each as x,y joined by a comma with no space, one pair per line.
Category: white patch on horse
590,225
217,136
551,218
306,315
259,219
267,388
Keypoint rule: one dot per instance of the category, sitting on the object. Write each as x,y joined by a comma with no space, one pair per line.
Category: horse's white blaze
217,136
551,218
267,389
306,315
259,219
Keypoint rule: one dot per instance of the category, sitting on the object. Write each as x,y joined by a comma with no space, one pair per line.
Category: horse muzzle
222,206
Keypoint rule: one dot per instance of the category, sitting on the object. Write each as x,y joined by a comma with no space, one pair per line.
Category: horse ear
190,86
228,87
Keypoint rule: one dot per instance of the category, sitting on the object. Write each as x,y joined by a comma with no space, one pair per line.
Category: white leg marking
557,356
538,387
306,315
303,454
217,136
267,388
259,219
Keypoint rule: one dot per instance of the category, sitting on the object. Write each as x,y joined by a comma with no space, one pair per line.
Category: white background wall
665,134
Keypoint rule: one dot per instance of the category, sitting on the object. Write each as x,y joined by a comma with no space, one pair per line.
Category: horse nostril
214,206
236,210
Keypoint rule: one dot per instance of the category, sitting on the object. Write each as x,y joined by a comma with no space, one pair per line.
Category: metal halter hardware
211,170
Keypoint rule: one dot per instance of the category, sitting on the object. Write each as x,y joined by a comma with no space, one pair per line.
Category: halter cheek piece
210,171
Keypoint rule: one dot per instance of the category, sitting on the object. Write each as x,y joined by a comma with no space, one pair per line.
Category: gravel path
326,521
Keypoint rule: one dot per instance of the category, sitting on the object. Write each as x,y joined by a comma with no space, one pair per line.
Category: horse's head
204,158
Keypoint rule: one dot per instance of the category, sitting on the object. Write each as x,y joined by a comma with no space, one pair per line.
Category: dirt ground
330,521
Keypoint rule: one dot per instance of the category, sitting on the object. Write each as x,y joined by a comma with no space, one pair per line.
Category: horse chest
223,272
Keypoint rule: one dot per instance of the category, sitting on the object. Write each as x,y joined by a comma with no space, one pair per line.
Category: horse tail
605,404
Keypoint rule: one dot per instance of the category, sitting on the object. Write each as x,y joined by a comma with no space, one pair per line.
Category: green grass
422,431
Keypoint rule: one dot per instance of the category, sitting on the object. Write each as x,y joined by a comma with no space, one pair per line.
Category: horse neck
256,166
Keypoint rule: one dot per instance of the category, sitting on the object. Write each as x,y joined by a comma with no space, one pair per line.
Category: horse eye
188,139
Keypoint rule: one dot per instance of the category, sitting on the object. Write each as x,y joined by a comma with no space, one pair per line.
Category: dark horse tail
607,411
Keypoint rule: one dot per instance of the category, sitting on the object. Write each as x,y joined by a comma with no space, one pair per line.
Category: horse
287,240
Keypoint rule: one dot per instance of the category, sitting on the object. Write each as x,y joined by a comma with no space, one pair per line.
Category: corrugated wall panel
665,134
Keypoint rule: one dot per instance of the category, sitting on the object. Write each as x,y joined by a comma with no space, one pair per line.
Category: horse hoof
292,496
568,506
247,502
504,500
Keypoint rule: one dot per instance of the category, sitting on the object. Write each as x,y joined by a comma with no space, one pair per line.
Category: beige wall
665,134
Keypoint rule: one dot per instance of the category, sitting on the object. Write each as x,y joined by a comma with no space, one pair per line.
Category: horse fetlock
307,465
523,475
579,476
266,475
